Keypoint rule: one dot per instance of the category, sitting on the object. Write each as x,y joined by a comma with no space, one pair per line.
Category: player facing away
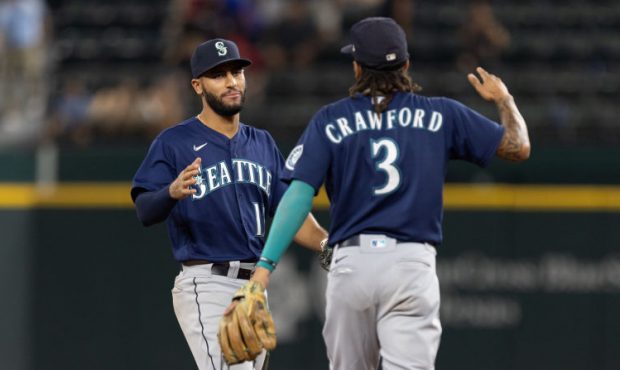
213,180
382,155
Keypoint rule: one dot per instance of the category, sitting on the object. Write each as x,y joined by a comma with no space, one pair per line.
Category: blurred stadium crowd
86,72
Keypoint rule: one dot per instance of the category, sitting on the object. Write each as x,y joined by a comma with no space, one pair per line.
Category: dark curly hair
376,83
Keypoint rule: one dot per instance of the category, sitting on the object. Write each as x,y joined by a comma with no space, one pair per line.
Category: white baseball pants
200,299
382,304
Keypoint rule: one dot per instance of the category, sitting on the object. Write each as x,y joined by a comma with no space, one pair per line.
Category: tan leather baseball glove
247,326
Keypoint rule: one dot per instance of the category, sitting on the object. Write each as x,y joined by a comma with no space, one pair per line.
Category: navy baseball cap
214,52
378,43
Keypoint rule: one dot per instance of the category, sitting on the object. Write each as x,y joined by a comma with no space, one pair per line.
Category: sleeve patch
293,158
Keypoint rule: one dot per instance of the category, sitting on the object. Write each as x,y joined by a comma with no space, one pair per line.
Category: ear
357,70
197,86
406,66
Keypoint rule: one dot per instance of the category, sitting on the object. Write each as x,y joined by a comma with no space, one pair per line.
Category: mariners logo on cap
221,48
292,159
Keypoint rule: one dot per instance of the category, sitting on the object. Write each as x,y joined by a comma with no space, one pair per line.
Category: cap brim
347,49
241,61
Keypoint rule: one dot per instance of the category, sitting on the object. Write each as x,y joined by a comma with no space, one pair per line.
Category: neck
227,126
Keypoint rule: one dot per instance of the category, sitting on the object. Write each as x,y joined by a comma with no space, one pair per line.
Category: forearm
311,234
291,213
154,206
515,144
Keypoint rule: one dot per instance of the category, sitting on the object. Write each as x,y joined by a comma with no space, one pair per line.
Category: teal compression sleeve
290,215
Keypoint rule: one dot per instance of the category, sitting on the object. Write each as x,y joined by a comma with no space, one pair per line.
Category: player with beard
213,179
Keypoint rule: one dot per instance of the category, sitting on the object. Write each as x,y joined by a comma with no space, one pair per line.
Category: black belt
355,241
221,269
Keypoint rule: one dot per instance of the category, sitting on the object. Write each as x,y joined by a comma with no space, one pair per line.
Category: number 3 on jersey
385,163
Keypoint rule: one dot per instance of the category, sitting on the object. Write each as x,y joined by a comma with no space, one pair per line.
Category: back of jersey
384,172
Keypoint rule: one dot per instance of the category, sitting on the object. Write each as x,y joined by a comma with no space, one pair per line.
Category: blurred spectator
402,12
70,114
22,65
191,22
199,20
354,10
281,35
162,104
271,11
245,17
125,110
483,38
187,23
292,41
328,19
112,110
560,115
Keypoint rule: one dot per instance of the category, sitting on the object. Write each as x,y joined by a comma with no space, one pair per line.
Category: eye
237,72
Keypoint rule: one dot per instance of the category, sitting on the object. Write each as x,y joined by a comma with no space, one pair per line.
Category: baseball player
214,180
382,155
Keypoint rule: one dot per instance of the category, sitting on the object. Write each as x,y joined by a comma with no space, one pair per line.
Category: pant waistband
231,270
355,241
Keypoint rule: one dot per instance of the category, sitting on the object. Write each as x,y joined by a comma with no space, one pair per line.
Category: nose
230,79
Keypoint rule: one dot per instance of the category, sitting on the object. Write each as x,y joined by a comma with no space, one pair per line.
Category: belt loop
233,269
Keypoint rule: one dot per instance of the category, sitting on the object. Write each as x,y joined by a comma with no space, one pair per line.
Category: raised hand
180,187
491,88
515,144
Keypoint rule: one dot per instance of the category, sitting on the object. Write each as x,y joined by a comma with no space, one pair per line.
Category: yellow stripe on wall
66,195
456,197
533,197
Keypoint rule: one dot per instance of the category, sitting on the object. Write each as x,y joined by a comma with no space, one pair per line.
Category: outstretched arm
515,144
311,234
291,213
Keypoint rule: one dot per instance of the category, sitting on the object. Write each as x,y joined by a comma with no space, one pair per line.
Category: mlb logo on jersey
378,243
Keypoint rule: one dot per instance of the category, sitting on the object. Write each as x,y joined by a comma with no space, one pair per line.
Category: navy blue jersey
384,173
239,182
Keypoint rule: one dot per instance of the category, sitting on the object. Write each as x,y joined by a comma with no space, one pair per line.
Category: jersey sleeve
156,171
474,138
309,160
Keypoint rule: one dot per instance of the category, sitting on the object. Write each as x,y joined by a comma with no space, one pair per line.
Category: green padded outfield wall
519,290
16,289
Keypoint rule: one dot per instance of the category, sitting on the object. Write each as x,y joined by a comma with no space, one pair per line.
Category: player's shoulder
340,104
177,131
442,104
423,100
255,133
335,109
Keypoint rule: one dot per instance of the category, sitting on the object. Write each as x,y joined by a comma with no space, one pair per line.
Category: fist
491,88
180,187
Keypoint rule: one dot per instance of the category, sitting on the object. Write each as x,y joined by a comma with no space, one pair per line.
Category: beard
222,109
